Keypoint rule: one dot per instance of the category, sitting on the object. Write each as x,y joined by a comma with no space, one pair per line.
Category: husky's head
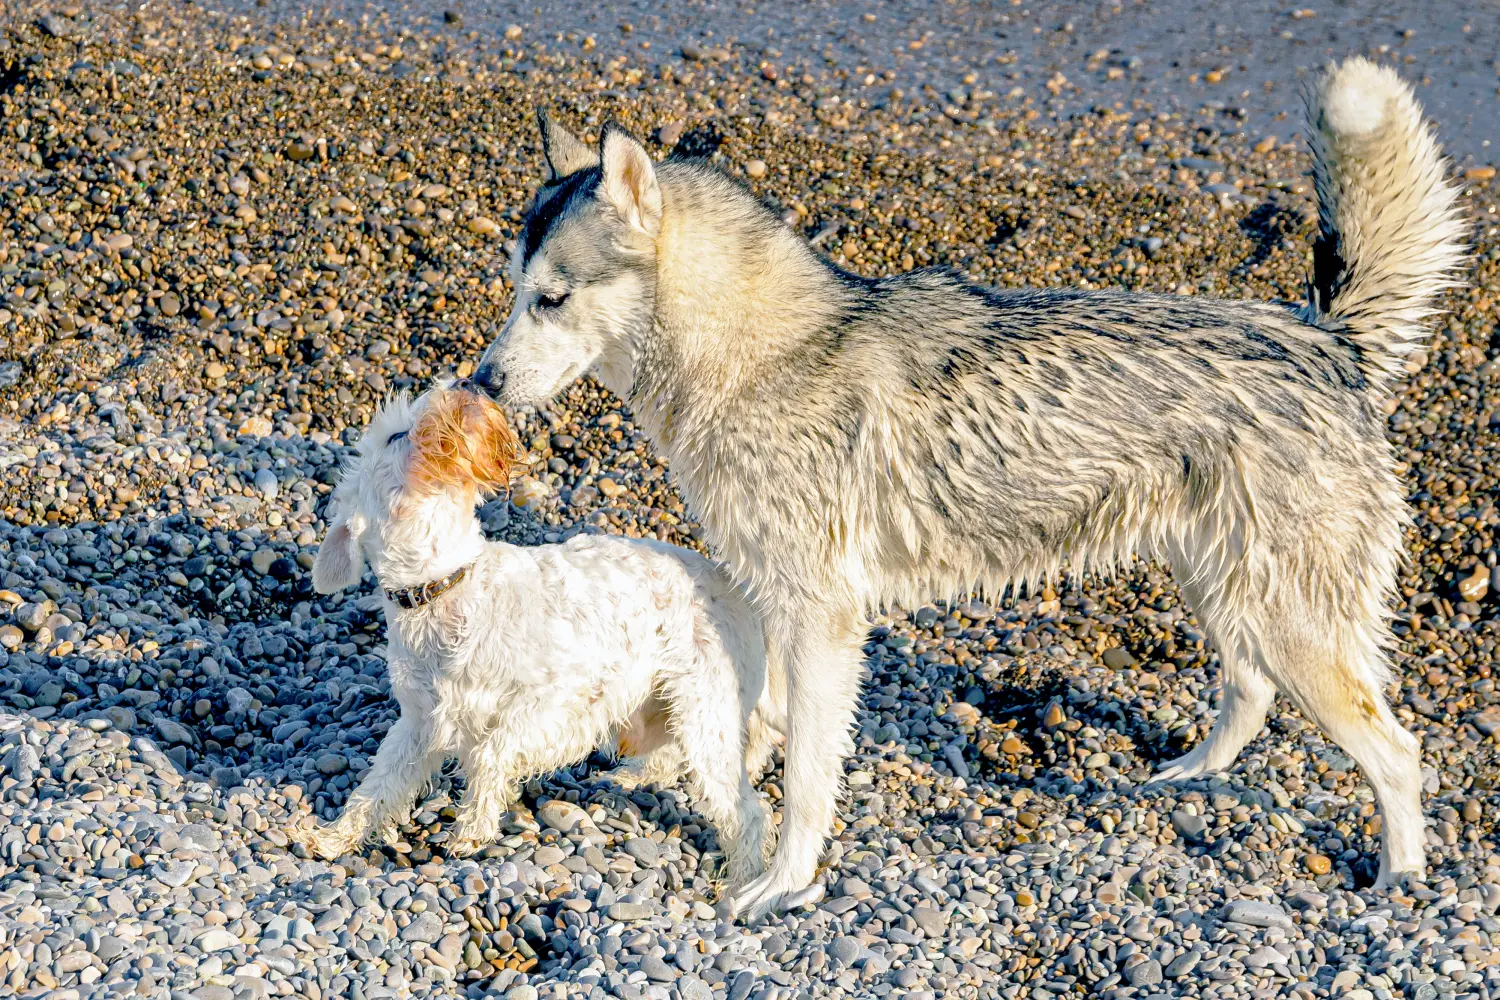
584,269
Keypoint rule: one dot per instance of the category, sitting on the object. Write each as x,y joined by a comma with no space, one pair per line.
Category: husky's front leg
822,658
405,760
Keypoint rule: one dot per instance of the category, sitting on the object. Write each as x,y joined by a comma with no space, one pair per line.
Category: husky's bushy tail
1391,236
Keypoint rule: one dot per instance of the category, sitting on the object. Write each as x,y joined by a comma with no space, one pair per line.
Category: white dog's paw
329,841
627,777
635,772
469,837
463,846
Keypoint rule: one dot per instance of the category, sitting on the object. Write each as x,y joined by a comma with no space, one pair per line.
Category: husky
851,443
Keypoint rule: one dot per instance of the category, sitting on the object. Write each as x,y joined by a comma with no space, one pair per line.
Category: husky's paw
1193,764
777,891
1400,879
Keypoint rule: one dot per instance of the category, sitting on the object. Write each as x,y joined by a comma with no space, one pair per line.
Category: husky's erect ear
629,182
565,152
339,564
461,441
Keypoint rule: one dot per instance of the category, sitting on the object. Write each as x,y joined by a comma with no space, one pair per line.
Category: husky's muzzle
487,381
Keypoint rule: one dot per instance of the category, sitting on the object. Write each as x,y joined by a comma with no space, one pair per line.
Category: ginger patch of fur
462,441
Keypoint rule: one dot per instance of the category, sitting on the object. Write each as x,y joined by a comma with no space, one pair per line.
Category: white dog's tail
1390,235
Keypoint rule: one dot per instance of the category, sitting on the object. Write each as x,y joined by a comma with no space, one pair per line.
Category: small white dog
522,660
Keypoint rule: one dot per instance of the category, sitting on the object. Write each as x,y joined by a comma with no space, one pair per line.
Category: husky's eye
551,301
395,437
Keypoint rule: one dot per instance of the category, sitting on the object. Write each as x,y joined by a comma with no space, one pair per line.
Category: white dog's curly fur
538,655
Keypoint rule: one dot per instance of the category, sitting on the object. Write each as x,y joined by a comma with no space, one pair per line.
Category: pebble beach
227,234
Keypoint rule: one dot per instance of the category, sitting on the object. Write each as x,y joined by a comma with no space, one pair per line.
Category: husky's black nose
488,380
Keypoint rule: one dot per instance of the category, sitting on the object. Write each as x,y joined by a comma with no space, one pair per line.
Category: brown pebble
1476,585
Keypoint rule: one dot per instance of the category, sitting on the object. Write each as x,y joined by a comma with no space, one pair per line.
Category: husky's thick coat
852,442
523,660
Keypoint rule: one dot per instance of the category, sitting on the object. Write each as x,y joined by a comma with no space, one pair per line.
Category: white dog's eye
395,437
551,301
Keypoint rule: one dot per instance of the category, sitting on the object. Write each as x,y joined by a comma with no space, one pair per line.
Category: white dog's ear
339,564
629,184
565,152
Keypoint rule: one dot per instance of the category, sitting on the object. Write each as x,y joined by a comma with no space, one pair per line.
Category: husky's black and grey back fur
853,442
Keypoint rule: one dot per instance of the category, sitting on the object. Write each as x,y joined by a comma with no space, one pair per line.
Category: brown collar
416,597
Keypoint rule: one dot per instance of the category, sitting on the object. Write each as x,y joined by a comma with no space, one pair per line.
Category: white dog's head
422,467
584,270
